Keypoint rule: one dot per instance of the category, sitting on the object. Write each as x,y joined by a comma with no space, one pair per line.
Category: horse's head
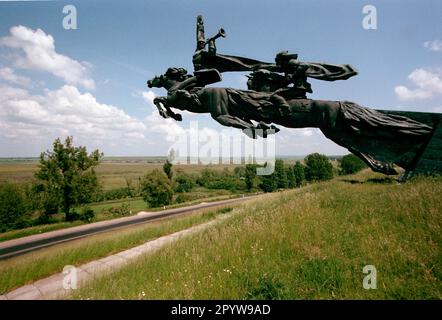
157,82
170,78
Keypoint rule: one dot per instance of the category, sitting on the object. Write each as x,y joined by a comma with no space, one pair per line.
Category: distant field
113,172
308,243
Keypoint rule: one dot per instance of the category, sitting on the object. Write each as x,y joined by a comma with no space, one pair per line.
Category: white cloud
39,54
427,82
148,97
62,112
8,75
435,45
29,122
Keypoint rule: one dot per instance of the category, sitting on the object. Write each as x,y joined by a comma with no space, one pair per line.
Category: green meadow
307,243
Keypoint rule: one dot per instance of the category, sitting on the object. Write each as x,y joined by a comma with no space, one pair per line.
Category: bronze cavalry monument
277,95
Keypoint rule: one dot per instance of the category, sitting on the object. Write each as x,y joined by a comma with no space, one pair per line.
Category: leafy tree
298,173
318,167
250,176
156,189
167,168
280,174
291,182
351,164
268,183
12,207
68,177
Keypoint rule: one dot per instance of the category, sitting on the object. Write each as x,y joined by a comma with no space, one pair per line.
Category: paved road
23,245
52,287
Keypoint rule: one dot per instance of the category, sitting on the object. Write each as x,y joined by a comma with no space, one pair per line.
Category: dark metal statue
277,95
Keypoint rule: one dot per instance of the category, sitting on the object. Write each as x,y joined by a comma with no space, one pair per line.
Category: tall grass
310,243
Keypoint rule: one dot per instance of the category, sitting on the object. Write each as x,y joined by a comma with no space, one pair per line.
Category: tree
268,182
68,177
156,189
351,164
291,182
298,174
12,207
318,167
280,174
167,168
250,176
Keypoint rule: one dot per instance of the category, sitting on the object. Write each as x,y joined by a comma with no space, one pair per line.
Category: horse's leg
375,165
159,102
164,109
232,121
217,104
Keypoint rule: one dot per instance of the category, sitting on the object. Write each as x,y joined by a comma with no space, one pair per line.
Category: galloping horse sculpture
277,95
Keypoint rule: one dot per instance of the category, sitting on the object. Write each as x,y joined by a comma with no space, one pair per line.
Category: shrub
87,215
212,179
156,189
12,208
351,164
183,182
44,218
120,211
240,172
115,194
318,167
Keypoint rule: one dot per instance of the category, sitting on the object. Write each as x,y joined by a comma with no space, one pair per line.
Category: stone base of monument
429,159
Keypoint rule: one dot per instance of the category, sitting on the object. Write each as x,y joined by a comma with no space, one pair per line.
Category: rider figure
292,85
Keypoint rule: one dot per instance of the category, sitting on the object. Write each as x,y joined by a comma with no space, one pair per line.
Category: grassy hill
308,243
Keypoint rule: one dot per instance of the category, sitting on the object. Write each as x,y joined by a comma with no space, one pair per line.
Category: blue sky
120,44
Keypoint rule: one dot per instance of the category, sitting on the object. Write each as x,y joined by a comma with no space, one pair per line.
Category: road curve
15,247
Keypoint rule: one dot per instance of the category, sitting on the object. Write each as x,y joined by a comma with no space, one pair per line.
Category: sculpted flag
330,72
225,63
